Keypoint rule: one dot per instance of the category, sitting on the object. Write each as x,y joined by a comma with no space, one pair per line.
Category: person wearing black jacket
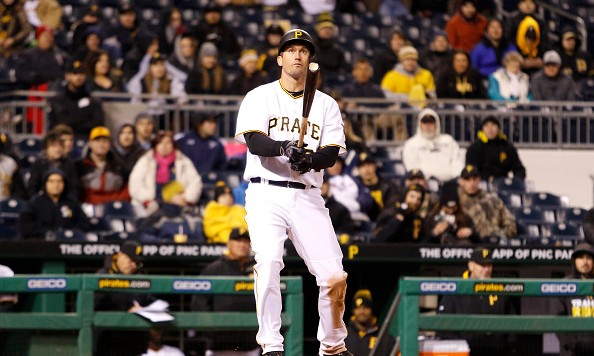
588,226
401,222
235,262
578,344
74,106
460,80
52,211
493,154
381,190
480,267
127,261
214,30
574,62
53,157
363,328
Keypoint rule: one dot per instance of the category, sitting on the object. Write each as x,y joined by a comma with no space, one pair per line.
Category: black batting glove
291,151
303,166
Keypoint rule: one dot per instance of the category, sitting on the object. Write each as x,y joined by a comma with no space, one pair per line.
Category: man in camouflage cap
491,218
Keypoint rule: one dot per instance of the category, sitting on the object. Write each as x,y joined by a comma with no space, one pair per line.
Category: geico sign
442,287
46,283
558,288
192,285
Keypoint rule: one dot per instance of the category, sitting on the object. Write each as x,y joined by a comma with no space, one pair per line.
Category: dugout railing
537,124
85,319
409,321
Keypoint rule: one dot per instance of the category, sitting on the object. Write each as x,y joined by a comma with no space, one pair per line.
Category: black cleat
344,353
274,353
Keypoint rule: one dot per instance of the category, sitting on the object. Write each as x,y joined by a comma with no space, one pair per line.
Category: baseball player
283,198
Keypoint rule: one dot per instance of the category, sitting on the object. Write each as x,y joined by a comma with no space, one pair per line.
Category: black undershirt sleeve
262,145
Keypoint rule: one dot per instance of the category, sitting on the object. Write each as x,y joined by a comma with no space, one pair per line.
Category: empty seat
513,185
571,215
543,199
511,200
563,234
31,145
529,216
10,210
119,216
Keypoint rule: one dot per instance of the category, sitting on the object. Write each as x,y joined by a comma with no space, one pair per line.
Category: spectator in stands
408,79
159,166
582,267
145,129
350,193
156,347
466,27
437,56
156,81
41,66
15,27
530,45
8,302
434,153
249,76
490,217
430,200
74,106
100,74
126,149
387,58
92,40
339,214
480,267
401,222
133,38
11,180
101,176
487,56
460,80
269,51
526,8
172,29
355,144
449,224
574,62
126,262
52,211
214,30
221,215
202,146
363,328
53,157
382,190
209,78
509,82
329,55
185,55
173,207
492,154
361,85
90,17
236,261
44,13
588,226
66,135
550,83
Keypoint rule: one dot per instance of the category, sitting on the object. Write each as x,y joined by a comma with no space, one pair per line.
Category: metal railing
386,122
409,321
84,319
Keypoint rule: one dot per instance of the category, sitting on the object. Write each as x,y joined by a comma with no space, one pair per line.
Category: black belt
281,183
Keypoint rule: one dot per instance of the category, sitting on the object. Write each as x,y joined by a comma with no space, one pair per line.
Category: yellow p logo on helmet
298,34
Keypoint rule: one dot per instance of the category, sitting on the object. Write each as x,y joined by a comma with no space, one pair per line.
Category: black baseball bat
311,83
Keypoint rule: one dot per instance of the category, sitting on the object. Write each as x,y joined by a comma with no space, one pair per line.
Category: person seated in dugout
480,268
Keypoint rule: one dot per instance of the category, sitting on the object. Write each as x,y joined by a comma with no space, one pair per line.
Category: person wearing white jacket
434,153
158,167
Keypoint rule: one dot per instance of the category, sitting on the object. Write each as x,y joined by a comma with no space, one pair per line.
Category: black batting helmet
297,35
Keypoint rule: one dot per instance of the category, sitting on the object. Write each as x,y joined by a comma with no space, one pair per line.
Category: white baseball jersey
274,112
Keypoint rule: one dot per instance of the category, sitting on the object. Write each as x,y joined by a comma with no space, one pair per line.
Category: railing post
294,334
408,316
84,305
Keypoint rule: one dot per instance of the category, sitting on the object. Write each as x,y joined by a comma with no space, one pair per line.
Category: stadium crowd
153,177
